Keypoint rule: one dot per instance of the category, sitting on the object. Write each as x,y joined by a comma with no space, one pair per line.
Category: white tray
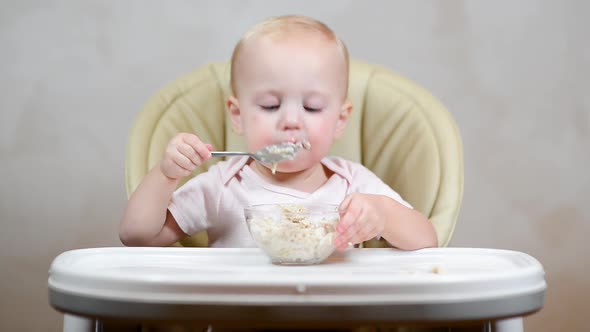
246,276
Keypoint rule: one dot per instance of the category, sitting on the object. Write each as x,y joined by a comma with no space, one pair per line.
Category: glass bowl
294,234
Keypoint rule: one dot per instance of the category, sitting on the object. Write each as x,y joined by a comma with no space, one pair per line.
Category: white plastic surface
78,324
234,276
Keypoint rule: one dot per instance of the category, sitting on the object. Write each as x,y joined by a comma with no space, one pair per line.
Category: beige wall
513,73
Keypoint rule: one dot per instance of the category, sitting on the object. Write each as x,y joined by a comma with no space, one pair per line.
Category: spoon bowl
271,154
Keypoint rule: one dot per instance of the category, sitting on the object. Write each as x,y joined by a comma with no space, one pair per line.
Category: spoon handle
228,153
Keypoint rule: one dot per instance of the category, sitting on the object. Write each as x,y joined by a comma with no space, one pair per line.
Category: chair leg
76,323
508,325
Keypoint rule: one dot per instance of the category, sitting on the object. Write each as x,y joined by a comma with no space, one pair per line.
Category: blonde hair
282,25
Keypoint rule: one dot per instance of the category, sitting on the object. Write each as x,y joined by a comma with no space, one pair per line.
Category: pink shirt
215,200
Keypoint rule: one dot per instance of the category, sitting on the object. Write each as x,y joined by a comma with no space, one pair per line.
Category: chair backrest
397,129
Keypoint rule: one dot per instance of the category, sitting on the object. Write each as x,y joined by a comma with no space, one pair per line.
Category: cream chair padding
397,129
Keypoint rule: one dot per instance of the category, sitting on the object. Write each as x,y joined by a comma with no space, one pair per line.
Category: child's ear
343,118
233,109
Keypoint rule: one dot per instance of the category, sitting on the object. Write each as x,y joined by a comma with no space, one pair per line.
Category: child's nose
290,119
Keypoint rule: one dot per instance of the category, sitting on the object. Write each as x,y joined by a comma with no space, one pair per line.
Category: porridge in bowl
294,233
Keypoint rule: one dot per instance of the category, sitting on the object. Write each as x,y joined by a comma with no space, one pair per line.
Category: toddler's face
291,90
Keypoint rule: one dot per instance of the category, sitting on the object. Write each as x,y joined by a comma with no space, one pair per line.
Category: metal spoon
271,154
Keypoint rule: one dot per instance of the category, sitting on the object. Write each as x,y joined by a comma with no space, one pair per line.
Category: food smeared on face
286,152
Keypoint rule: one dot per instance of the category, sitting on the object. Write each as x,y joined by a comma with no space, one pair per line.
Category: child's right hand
184,153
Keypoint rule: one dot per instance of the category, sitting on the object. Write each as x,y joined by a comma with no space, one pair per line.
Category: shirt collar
335,164
235,164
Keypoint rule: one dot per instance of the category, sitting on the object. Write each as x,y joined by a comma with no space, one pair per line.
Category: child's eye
312,109
270,107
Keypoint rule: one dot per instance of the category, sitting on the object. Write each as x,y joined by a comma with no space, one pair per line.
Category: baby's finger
364,233
201,149
190,153
342,243
183,162
354,233
171,169
191,139
204,152
344,205
349,217
344,237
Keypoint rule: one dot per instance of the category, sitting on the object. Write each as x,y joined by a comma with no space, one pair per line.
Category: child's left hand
360,219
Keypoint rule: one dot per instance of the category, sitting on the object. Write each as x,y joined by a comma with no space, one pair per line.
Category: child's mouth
302,144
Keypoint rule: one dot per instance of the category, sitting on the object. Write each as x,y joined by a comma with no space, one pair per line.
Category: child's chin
290,167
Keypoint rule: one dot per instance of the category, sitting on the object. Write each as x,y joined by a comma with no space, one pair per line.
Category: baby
289,78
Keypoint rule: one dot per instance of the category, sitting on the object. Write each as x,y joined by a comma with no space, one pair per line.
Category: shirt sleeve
192,203
366,182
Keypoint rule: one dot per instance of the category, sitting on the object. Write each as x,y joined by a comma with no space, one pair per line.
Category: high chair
397,129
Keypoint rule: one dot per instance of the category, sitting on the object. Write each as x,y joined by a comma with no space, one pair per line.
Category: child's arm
146,221
365,216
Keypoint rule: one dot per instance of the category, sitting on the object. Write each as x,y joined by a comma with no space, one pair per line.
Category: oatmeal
291,235
285,152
